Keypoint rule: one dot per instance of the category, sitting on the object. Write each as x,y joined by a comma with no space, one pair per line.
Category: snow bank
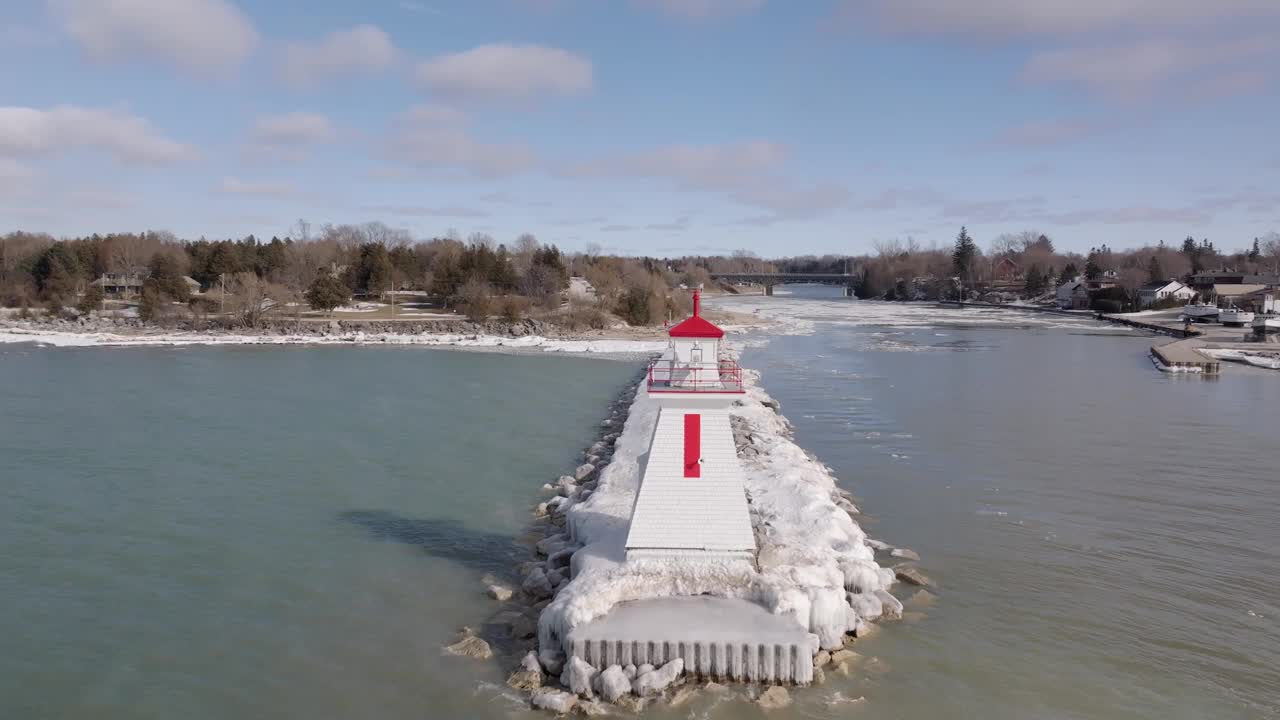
811,552
532,342
1269,362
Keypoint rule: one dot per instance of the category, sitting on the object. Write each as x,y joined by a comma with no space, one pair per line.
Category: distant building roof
1235,290
1161,285
696,326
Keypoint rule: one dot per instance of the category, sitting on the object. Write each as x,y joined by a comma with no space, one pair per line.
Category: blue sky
646,126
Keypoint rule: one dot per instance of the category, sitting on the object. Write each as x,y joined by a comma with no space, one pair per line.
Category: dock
1182,355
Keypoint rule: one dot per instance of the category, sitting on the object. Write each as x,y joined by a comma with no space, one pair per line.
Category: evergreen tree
1069,273
1092,271
1256,252
327,292
1035,281
1155,273
962,257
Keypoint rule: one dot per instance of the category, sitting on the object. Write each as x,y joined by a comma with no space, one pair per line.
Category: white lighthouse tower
692,505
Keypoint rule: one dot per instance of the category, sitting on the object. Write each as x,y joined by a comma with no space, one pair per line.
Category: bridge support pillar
848,291
768,290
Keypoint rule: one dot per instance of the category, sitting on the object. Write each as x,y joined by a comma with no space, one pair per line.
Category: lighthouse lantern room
692,501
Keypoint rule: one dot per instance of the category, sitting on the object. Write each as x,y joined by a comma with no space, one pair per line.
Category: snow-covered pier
710,545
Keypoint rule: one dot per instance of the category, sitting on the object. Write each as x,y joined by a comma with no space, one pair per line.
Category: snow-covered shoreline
537,343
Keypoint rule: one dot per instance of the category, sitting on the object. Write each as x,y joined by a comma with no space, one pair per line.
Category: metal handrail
724,376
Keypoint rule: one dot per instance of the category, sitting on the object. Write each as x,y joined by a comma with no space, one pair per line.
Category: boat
1264,324
1235,317
1200,312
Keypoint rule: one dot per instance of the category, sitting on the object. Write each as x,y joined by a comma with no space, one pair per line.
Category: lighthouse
692,504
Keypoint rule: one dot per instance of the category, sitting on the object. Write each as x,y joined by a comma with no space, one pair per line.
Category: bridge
768,280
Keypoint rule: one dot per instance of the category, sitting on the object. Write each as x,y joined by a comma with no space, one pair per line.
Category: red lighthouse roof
696,326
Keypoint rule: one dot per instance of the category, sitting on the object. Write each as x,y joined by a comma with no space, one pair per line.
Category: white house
1152,293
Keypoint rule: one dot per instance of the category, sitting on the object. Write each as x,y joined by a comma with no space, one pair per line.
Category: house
1073,295
1152,293
1108,279
120,284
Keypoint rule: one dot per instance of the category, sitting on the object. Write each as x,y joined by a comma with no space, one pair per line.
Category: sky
665,127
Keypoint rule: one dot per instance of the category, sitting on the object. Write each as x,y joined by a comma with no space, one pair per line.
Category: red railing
721,377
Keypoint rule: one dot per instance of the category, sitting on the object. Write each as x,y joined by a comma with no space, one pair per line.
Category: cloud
679,224
290,135
700,9
361,49
893,198
747,173
430,136
28,131
616,228
425,211
1013,18
1129,215
265,188
992,211
520,73
207,36
1043,133
1138,68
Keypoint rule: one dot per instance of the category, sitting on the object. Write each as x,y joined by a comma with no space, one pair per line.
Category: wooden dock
1182,355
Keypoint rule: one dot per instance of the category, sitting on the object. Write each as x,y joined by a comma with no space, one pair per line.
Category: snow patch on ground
811,552
528,343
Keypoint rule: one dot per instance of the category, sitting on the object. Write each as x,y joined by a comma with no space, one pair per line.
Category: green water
268,533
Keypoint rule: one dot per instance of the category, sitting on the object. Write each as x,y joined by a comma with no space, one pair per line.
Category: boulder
867,605
501,593
905,554
581,677
530,662
891,607
583,471
878,545
538,586
822,658
472,647
819,676
552,660
632,704
556,701
631,671
613,683
921,599
912,575
840,656
774,698
655,681
525,680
